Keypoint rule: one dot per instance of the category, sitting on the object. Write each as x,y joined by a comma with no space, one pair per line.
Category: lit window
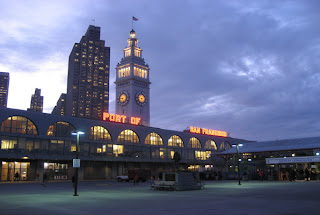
124,72
73,148
202,155
117,150
172,154
210,144
142,73
8,143
18,125
136,53
99,133
194,143
153,139
175,141
127,53
225,146
161,153
128,136
60,129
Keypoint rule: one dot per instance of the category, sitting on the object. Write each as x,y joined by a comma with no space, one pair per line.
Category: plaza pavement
112,198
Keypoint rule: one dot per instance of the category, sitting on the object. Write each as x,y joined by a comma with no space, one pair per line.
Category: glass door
14,171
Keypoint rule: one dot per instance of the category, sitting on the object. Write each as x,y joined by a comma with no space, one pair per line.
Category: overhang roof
277,145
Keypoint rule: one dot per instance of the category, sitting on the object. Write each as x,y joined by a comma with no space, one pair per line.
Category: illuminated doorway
10,170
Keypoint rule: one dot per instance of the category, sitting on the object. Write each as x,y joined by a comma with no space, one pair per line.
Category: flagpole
134,19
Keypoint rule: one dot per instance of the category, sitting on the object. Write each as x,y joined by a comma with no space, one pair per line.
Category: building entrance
14,171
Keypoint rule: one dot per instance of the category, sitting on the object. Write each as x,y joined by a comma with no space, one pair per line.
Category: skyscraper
59,109
88,77
36,103
4,86
132,83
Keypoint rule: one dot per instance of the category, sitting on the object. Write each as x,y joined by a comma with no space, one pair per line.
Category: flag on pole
134,18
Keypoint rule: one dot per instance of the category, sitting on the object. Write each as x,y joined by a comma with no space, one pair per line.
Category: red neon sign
120,118
205,131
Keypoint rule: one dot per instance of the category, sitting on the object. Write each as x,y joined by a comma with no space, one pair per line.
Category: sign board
206,131
306,159
120,118
76,163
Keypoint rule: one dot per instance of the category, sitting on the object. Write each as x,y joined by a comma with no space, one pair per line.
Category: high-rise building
4,86
59,109
36,103
88,77
132,83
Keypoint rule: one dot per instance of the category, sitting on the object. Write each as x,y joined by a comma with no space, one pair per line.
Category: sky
250,68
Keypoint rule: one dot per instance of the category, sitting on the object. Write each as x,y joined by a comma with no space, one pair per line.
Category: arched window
175,141
210,144
128,136
194,143
61,129
99,133
19,125
153,139
225,146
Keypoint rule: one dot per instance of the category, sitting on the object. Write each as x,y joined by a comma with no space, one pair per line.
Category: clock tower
132,83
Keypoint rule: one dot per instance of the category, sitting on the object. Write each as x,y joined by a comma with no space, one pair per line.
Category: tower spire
132,83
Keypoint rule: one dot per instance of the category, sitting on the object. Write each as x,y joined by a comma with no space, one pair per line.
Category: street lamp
238,145
76,162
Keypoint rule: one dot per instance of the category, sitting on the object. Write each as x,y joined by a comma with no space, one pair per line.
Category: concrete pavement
111,197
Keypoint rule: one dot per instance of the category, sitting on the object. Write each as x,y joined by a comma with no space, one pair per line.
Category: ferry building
34,143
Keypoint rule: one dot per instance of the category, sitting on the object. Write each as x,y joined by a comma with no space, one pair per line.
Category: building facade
36,143
132,83
59,109
4,87
279,159
36,103
88,77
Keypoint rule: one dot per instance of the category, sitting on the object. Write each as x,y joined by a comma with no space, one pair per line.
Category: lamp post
238,145
78,133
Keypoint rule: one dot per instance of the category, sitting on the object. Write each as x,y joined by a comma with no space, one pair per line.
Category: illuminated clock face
123,98
141,98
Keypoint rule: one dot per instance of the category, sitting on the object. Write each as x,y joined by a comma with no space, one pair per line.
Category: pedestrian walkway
111,197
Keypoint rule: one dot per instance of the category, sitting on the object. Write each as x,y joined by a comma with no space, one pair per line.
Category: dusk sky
250,68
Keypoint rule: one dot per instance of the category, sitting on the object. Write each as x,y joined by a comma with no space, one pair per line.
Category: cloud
49,75
251,69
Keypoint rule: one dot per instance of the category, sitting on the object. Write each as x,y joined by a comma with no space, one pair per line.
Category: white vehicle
121,178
